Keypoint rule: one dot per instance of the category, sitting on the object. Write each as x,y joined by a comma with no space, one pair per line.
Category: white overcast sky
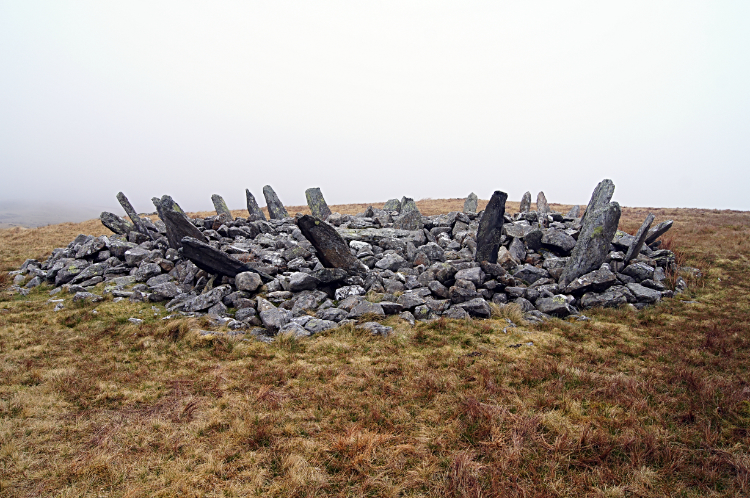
375,100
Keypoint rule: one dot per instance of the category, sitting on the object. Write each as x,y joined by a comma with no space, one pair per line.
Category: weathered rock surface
317,203
138,222
640,239
253,210
330,248
177,223
471,203
541,203
276,209
525,203
212,260
115,223
220,206
489,232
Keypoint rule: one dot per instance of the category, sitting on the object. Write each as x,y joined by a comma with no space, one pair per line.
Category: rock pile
305,274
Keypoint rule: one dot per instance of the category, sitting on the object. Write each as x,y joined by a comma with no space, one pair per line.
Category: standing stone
330,248
541,203
276,210
115,223
407,204
471,203
177,223
640,239
600,198
593,243
658,231
256,214
491,228
221,206
574,212
317,203
525,203
137,221
392,205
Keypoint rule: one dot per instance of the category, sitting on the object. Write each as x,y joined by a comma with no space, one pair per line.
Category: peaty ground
649,403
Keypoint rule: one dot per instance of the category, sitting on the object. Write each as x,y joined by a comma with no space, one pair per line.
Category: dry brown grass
648,403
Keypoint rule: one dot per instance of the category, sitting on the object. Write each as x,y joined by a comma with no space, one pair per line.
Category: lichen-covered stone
331,249
541,203
115,223
253,210
220,206
276,209
525,203
176,221
490,228
317,203
471,203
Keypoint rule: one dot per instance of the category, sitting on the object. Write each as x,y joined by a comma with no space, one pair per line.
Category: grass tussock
630,403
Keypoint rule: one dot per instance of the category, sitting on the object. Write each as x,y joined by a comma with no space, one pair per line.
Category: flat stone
644,294
477,307
410,220
274,319
300,281
639,271
248,281
349,290
316,325
220,206
530,274
556,306
115,223
658,231
558,240
391,262
595,281
215,261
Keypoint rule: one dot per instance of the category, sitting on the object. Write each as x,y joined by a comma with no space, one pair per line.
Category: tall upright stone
600,198
138,223
330,248
407,204
317,203
593,243
253,210
176,221
525,203
392,205
276,210
471,203
221,206
491,228
115,223
640,239
541,203
574,212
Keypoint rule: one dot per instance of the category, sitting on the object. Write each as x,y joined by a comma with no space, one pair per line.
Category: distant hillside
32,215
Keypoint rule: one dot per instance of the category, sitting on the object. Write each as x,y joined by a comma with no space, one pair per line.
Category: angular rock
600,198
574,212
139,223
611,298
253,210
640,239
558,240
317,203
542,206
332,314
276,209
593,243
274,319
248,281
644,294
490,228
530,274
517,249
207,299
177,223
316,325
476,307
391,262
407,205
349,290
330,248
220,206
456,313
300,281
391,308
366,307
474,275
525,203
411,220
376,328
556,306
658,231
639,271
392,205
214,261
471,203
115,223
410,300
595,281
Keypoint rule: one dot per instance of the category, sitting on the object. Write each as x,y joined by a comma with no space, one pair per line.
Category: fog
376,100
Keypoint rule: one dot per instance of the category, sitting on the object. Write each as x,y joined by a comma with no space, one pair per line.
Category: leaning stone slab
140,226
214,261
276,209
525,203
115,223
541,203
600,198
491,228
658,231
255,213
640,239
221,206
593,243
317,203
176,221
471,203
330,247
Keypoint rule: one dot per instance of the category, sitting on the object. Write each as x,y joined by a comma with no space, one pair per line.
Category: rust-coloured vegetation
648,403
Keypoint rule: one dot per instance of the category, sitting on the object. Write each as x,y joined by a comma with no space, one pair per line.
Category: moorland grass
647,403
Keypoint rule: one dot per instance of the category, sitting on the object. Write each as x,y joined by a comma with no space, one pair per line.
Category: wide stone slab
214,261
176,221
332,250
115,223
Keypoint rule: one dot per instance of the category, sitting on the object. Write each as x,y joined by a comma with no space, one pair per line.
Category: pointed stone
471,203
115,223
392,205
408,204
658,231
317,203
214,261
330,248
640,239
525,203
600,198
176,221
254,212
491,228
593,243
137,221
221,206
541,203
276,210
574,212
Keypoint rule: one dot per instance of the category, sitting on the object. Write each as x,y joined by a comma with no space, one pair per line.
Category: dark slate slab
214,261
276,210
491,228
640,239
115,223
177,223
220,206
253,210
138,223
330,247
317,204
